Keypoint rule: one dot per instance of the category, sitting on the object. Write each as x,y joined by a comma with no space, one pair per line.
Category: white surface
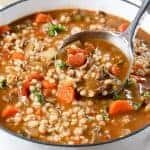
140,141
5,2
25,8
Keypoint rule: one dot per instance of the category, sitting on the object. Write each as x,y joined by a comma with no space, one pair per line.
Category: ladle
124,40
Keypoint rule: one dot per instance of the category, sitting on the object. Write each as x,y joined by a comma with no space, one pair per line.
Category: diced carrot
38,112
42,18
138,78
76,60
104,138
39,32
4,29
47,92
47,85
26,84
5,55
36,75
115,70
9,111
120,106
25,88
123,27
18,55
74,51
65,94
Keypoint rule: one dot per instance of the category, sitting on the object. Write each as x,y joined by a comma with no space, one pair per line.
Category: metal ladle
123,41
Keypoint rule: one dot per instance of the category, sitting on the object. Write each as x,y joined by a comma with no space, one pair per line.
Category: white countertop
140,141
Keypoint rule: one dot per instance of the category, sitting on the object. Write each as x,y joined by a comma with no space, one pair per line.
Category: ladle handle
130,32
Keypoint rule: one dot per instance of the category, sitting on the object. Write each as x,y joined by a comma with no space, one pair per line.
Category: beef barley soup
101,66
70,96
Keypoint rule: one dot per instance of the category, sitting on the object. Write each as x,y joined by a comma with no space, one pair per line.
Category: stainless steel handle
130,32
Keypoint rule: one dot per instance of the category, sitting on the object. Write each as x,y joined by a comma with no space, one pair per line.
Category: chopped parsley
105,115
60,64
39,96
116,95
137,105
54,29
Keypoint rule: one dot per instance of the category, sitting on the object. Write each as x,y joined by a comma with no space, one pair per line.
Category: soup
71,96
96,66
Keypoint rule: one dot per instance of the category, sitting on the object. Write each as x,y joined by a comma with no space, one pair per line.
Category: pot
137,140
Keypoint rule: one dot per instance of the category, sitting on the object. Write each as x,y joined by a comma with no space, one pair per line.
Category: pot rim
65,145
21,1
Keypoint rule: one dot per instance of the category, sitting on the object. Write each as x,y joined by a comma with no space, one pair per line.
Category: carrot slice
123,27
25,88
76,60
9,111
65,94
38,112
36,75
119,106
47,85
5,55
18,55
4,29
47,92
115,70
42,18
74,51
39,32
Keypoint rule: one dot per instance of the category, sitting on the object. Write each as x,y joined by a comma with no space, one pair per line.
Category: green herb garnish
137,105
116,95
38,95
105,115
60,64
40,98
54,29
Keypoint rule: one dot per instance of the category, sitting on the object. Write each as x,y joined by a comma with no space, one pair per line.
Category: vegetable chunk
4,29
120,106
42,18
76,60
9,111
65,94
